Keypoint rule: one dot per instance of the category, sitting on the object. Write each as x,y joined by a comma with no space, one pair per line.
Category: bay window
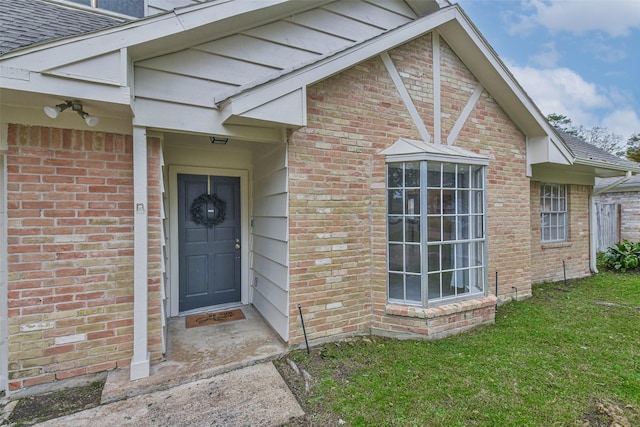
436,230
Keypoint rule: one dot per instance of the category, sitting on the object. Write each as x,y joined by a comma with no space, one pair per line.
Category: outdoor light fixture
75,106
216,140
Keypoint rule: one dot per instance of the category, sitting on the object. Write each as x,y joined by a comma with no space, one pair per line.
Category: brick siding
546,259
338,196
70,253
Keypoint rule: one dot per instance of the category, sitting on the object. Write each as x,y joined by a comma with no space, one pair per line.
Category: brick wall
70,253
338,198
546,259
629,202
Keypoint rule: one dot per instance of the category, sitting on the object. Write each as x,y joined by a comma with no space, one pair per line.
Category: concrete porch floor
201,352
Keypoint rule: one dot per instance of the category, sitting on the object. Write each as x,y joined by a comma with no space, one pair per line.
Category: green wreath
199,211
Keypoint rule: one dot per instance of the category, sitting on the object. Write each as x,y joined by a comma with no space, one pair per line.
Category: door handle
237,244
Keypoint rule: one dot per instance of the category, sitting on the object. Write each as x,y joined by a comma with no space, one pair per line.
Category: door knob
237,244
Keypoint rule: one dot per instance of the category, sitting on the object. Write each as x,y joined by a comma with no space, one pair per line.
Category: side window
553,213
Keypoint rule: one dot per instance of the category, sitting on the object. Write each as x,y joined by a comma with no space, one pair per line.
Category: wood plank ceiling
208,71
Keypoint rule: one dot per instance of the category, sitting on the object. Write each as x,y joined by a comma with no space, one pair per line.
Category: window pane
478,229
448,284
463,202
396,261
412,174
434,224
446,257
413,262
396,286
434,258
478,202
448,201
463,176
433,174
413,229
434,285
477,177
476,279
477,254
414,288
463,227
462,255
394,175
413,202
395,201
448,175
462,281
395,229
449,228
434,202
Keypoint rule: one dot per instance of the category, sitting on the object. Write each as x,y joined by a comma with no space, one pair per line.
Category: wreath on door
200,210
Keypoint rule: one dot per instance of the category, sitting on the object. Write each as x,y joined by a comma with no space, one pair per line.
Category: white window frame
554,213
461,281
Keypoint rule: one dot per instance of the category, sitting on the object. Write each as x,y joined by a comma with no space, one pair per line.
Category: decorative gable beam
406,97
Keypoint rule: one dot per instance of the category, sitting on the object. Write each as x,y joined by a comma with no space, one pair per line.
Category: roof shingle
27,22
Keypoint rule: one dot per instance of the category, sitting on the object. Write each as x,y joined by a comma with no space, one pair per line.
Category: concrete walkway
252,396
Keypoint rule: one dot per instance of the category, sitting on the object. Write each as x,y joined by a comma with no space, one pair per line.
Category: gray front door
209,254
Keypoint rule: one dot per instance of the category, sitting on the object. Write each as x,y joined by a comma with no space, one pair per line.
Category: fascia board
73,49
167,116
68,88
607,166
260,95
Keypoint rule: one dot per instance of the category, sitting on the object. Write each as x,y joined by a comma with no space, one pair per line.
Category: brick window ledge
556,245
442,310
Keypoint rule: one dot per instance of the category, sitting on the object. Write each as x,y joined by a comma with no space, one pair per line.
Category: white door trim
4,317
174,280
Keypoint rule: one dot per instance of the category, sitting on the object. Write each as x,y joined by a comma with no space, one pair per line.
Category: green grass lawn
568,356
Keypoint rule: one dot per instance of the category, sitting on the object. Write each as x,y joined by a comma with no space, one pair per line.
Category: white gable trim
405,96
437,81
464,115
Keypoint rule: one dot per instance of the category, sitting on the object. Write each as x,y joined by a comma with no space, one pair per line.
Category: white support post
4,317
140,361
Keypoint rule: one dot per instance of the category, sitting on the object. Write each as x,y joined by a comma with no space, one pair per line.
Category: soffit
261,53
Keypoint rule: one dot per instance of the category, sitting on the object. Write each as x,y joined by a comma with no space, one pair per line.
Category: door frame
174,264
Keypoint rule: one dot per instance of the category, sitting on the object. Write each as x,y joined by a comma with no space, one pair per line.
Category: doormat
196,320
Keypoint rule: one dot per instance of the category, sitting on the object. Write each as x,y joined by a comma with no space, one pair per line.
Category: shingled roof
27,22
587,152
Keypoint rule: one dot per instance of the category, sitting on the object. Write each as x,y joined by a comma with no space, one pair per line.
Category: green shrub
622,257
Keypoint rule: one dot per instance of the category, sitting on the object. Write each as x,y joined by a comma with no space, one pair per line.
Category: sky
578,58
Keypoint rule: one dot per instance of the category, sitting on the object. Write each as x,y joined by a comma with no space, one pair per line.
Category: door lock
237,244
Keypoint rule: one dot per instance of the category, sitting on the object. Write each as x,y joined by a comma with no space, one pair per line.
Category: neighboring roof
586,153
631,184
27,22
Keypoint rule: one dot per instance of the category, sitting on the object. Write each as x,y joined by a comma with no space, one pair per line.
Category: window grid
447,260
553,213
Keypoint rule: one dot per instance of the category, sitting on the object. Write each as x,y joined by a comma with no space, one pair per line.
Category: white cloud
614,17
624,122
548,57
562,91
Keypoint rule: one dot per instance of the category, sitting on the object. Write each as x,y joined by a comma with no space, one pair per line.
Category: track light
75,106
